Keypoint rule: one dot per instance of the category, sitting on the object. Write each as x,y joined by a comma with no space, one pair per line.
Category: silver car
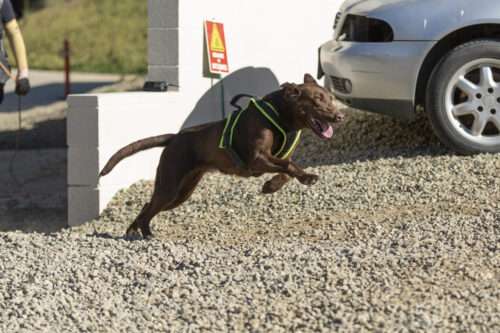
393,56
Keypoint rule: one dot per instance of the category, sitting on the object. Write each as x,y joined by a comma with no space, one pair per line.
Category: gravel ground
397,235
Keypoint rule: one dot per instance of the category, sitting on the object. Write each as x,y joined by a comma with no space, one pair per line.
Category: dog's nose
339,117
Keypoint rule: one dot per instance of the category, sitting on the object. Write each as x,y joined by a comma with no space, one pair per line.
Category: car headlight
336,22
364,29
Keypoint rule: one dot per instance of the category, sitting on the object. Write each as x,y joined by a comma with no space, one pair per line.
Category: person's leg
1,93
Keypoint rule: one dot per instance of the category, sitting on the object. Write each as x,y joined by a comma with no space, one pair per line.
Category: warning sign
216,47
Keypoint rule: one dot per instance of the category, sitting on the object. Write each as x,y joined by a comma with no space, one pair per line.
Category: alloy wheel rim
473,101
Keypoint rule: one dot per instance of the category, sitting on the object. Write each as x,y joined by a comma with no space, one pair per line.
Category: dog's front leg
275,184
295,171
268,163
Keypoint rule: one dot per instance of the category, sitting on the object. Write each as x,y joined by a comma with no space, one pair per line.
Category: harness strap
267,110
226,139
235,99
272,117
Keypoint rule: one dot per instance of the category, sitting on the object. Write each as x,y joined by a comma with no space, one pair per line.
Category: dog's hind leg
187,188
163,199
144,218
164,194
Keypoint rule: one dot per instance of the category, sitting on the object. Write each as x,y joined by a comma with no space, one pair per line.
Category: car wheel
463,98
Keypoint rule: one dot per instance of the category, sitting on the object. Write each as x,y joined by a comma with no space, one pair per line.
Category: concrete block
163,46
122,119
83,204
83,165
141,166
84,101
163,13
158,115
82,126
168,74
134,100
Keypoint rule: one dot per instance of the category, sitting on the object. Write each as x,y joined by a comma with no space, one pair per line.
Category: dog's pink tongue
327,133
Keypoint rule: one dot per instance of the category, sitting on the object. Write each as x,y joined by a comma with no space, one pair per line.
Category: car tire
463,99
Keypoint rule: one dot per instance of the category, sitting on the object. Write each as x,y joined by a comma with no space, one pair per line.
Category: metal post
67,83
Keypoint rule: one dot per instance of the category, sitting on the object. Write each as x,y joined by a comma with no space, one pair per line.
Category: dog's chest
238,131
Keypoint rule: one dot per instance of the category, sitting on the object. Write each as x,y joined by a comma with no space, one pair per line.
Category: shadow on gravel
105,235
366,136
33,219
33,190
45,134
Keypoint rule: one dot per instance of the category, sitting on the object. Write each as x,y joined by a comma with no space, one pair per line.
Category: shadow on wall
214,104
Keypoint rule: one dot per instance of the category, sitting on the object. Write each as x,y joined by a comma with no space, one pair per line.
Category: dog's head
311,106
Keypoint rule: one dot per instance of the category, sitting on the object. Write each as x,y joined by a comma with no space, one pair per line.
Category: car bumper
379,77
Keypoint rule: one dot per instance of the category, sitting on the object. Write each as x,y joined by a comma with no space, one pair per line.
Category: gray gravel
397,235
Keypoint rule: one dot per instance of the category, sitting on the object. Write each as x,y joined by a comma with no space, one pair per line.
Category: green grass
105,36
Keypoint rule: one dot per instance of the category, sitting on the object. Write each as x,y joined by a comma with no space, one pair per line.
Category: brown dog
253,138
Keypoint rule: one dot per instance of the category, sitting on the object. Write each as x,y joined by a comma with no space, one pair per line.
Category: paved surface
48,88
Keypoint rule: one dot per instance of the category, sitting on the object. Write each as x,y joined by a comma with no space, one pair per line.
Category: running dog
259,139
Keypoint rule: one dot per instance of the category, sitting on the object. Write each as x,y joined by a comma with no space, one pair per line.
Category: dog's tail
135,147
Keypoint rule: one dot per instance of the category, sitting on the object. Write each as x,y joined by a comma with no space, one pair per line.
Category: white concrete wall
267,41
280,35
99,125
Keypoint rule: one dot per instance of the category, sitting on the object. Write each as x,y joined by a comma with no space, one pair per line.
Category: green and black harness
290,139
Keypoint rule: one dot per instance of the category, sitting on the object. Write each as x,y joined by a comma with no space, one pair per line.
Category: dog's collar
290,139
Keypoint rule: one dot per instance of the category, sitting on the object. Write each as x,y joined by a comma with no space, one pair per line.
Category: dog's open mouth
322,129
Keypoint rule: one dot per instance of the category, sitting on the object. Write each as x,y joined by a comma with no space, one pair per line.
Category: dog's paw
132,235
308,179
148,237
270,187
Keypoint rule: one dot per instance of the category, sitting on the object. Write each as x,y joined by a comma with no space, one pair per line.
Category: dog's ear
309,79
292,91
